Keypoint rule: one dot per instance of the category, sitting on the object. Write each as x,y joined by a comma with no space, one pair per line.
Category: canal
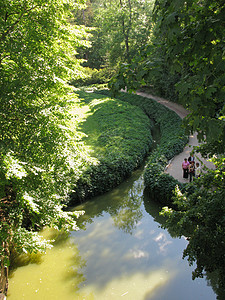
120,252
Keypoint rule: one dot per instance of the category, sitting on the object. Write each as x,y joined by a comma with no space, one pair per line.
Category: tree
39,153
188,47
200,218
195,49
121,28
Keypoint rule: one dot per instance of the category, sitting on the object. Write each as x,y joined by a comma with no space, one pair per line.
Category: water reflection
212,280
122,251
154,208
46,273
131,286
124,205
129,213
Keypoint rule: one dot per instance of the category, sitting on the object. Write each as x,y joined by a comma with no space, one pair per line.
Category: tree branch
10,29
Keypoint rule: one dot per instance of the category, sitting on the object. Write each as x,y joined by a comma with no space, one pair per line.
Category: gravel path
175,166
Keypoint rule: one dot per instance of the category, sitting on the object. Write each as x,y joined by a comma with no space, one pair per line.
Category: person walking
185,165
191,171
198,170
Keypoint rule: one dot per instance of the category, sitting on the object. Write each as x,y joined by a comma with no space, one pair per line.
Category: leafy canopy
186,54
194,48
39,152
121,29
200,218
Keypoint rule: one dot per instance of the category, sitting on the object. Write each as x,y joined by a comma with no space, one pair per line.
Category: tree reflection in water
125,207
123,252
129,213
46,272
154,208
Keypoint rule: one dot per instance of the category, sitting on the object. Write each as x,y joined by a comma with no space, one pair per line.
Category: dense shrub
172,142
160,184
119,137
93,76
173,137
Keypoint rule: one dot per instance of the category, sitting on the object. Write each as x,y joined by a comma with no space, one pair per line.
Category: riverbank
118,139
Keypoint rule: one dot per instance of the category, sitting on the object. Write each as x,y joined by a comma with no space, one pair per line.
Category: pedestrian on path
191,171
193,141
185,165
198,170
191,158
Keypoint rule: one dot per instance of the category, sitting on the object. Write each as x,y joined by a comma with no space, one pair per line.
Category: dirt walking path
175,165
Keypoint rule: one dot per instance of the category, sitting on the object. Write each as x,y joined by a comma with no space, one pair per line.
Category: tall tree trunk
6,202
3,282
127,31
4,271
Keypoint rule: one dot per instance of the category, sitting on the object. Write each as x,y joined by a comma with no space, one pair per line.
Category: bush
172,142
93,76
160,184
119,137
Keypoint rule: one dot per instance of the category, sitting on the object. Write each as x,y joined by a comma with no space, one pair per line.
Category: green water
120,253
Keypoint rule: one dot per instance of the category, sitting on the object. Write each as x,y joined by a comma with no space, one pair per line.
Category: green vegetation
39,156
56,148
118,137
93,77
172,142
185,57
184,61
119,28
194,48
159,184
200,217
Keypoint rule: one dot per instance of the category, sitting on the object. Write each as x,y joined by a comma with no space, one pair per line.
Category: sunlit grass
110,123
114,138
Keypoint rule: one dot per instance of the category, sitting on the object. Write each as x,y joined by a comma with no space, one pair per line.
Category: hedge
172,142
119,136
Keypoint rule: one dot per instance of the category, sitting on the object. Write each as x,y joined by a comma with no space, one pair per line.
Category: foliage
173,137
187,52
159,184
122,28
148,69
93,77
172,141
200,217
195,49
119,137
39,155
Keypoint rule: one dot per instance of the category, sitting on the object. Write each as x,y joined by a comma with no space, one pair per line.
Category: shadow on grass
114,125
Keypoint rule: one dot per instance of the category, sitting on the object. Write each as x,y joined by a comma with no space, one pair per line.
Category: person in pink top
185,166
